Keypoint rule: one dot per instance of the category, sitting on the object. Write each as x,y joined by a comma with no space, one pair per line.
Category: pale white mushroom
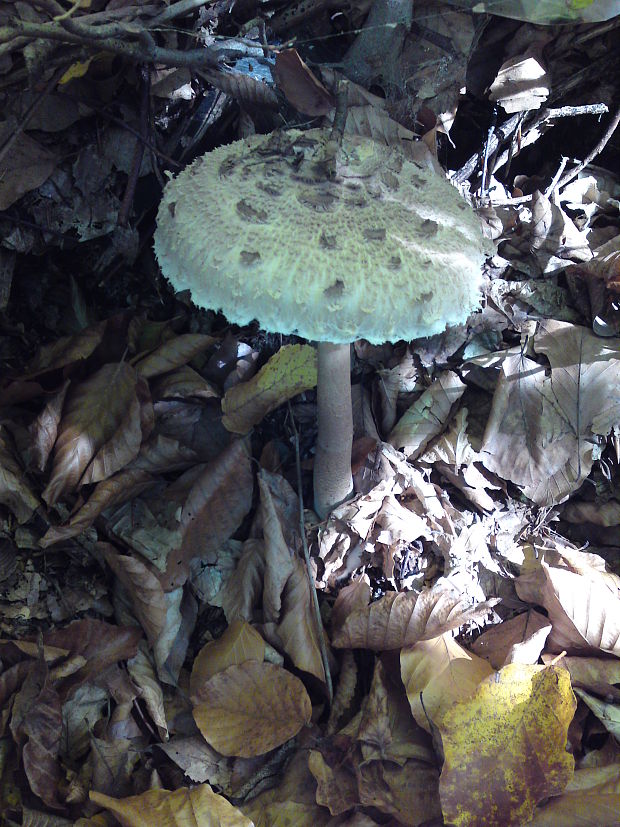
373,246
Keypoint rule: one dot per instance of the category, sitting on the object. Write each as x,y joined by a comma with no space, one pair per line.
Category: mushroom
370,245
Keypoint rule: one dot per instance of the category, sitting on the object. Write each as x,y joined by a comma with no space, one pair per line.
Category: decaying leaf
505,747
26,166
300,86
240,642
15,492
173,354
437,674
584,614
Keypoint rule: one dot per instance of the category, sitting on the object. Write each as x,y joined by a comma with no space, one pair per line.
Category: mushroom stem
333,482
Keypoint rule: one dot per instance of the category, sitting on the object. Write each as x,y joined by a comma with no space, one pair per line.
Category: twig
138,154
509,127
304,543
142,49
176,10
594,152
554,181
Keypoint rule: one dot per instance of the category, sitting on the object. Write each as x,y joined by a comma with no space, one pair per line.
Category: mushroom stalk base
333,482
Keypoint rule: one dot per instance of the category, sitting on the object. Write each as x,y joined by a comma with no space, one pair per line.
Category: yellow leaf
76,70
505,746
289,372
437,674
181,808
240,642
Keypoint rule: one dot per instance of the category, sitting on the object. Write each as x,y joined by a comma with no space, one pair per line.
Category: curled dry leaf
289,372
15,492
242,592
518,640
296,632
219,499
121,487
249,709
300,86
402,618
101,429
143,675
143,589
428,415
44,430
182,383
505,747
243,88
195,807
584,613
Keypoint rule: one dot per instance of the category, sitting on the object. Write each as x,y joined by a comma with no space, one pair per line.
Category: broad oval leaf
250,709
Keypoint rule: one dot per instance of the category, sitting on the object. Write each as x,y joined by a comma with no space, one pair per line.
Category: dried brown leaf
25,167
584,613
15,493
217,502
240,642
173,354
100,431
251,708
300,86
242,592
290,371
402,618
520,639
428,415
143,588
118,489
182,808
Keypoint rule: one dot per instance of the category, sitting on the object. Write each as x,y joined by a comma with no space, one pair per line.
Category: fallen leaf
438,674
240,642
584,614
25,167
300,86
428,415
195,807
401,618
251,708
505,747
173,354
289,372
95,439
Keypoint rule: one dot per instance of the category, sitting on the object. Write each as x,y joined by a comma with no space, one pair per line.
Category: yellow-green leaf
289,372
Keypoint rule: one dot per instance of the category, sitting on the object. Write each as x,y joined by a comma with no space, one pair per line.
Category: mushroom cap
382,249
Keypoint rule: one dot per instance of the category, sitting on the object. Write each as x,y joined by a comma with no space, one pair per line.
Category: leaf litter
162,661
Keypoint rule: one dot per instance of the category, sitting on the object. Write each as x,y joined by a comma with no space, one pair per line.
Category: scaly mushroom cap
383,250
